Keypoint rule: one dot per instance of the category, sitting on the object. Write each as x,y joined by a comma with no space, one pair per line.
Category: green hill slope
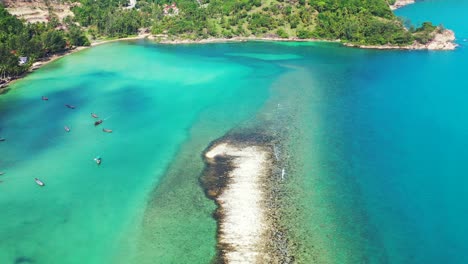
369,22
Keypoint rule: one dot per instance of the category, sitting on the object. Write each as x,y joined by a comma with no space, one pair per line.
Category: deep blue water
407,143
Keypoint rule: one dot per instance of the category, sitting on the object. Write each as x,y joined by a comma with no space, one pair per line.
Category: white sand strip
242,227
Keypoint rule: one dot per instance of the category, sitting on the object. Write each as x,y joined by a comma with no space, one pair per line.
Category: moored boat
66,128
98,122
39,182
94,115
98,160
1,172
107,130
70,106
2,139
44,98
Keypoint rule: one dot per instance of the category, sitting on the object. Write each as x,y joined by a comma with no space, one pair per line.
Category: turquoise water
151,98
375,143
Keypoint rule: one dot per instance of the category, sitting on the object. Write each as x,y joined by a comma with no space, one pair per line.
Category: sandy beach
38,64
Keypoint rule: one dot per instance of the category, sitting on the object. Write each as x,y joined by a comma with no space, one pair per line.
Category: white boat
39,182
98,160
66,128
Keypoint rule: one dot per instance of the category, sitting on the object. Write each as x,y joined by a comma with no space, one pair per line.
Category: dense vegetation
357,21
369,22
35,41
108,18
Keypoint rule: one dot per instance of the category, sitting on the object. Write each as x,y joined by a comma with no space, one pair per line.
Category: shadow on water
102,74
23,260
4,91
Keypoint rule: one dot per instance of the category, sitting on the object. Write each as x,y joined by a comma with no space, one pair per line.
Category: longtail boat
98,122
70,106
44,98
2,139
39,182
107,130
94,115
98,160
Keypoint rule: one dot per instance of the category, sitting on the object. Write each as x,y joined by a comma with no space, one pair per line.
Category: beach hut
171,10
23,60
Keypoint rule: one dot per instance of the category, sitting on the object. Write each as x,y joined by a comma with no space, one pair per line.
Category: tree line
34,41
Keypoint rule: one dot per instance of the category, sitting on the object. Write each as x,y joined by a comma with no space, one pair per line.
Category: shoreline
44,61
178,41
442,41
39,64
401,3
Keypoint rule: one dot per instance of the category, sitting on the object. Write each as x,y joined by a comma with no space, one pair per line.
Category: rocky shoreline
401,3
443,40
166,40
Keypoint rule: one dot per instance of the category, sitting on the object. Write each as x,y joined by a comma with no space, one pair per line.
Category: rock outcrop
401,3
442,39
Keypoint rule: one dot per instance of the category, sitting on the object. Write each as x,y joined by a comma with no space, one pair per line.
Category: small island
240,177
34,32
